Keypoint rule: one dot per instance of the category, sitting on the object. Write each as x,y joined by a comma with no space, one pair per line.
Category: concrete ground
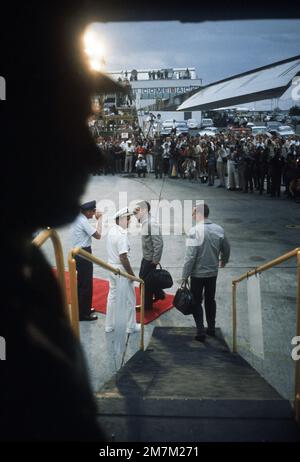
259,229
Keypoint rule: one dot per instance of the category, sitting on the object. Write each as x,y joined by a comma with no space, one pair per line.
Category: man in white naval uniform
158,125
118,251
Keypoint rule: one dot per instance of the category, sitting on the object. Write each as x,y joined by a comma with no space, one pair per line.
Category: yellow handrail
73,284
260,269
270,264
59,258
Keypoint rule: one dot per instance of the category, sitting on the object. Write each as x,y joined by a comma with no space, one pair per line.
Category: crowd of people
234,161
160,74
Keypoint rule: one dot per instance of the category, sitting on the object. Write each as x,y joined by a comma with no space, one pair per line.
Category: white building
152,85
268,84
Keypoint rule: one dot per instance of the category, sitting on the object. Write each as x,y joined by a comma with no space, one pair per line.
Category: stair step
183,390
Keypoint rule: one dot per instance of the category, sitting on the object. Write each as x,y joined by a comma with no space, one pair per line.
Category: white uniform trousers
149,160
129,302
233,176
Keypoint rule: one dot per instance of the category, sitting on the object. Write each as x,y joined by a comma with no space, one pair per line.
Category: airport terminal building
152,87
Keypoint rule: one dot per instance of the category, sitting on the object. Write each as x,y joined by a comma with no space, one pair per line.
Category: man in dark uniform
82,233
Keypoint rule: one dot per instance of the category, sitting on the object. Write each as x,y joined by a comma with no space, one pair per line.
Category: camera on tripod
152,117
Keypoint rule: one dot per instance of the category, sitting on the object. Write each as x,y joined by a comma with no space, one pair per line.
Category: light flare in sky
95,48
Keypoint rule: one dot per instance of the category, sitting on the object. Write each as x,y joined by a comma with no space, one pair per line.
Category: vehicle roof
285,127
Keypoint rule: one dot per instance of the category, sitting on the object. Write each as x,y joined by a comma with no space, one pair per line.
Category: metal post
297,367
234,346
59,257
142,315
74,295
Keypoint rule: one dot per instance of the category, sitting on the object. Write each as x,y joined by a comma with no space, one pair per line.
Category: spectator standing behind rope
158,160
207,241
158,125
129,151
141,166
166,156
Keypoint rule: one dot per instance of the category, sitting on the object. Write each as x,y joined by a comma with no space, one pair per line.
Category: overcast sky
216,49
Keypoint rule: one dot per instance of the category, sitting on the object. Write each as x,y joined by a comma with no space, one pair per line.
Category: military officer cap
124,212
88,205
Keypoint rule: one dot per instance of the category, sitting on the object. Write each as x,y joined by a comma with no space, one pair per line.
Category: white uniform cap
124,212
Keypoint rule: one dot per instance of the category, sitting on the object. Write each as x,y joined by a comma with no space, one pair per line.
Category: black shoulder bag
184,300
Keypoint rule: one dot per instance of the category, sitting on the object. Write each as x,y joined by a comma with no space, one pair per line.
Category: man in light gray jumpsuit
205,244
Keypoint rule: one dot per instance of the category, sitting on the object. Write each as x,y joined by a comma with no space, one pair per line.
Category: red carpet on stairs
100,293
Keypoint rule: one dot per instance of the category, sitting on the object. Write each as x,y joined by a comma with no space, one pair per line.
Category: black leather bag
159,279
184,300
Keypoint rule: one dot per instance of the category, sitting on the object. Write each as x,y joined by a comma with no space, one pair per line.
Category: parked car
207,123
280,118
182,128
193,123
241,130
285,131
166,131
273,125
259,130
250,124
209,131
168,123
295,119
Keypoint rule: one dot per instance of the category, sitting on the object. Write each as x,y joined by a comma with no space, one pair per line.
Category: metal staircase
181,390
